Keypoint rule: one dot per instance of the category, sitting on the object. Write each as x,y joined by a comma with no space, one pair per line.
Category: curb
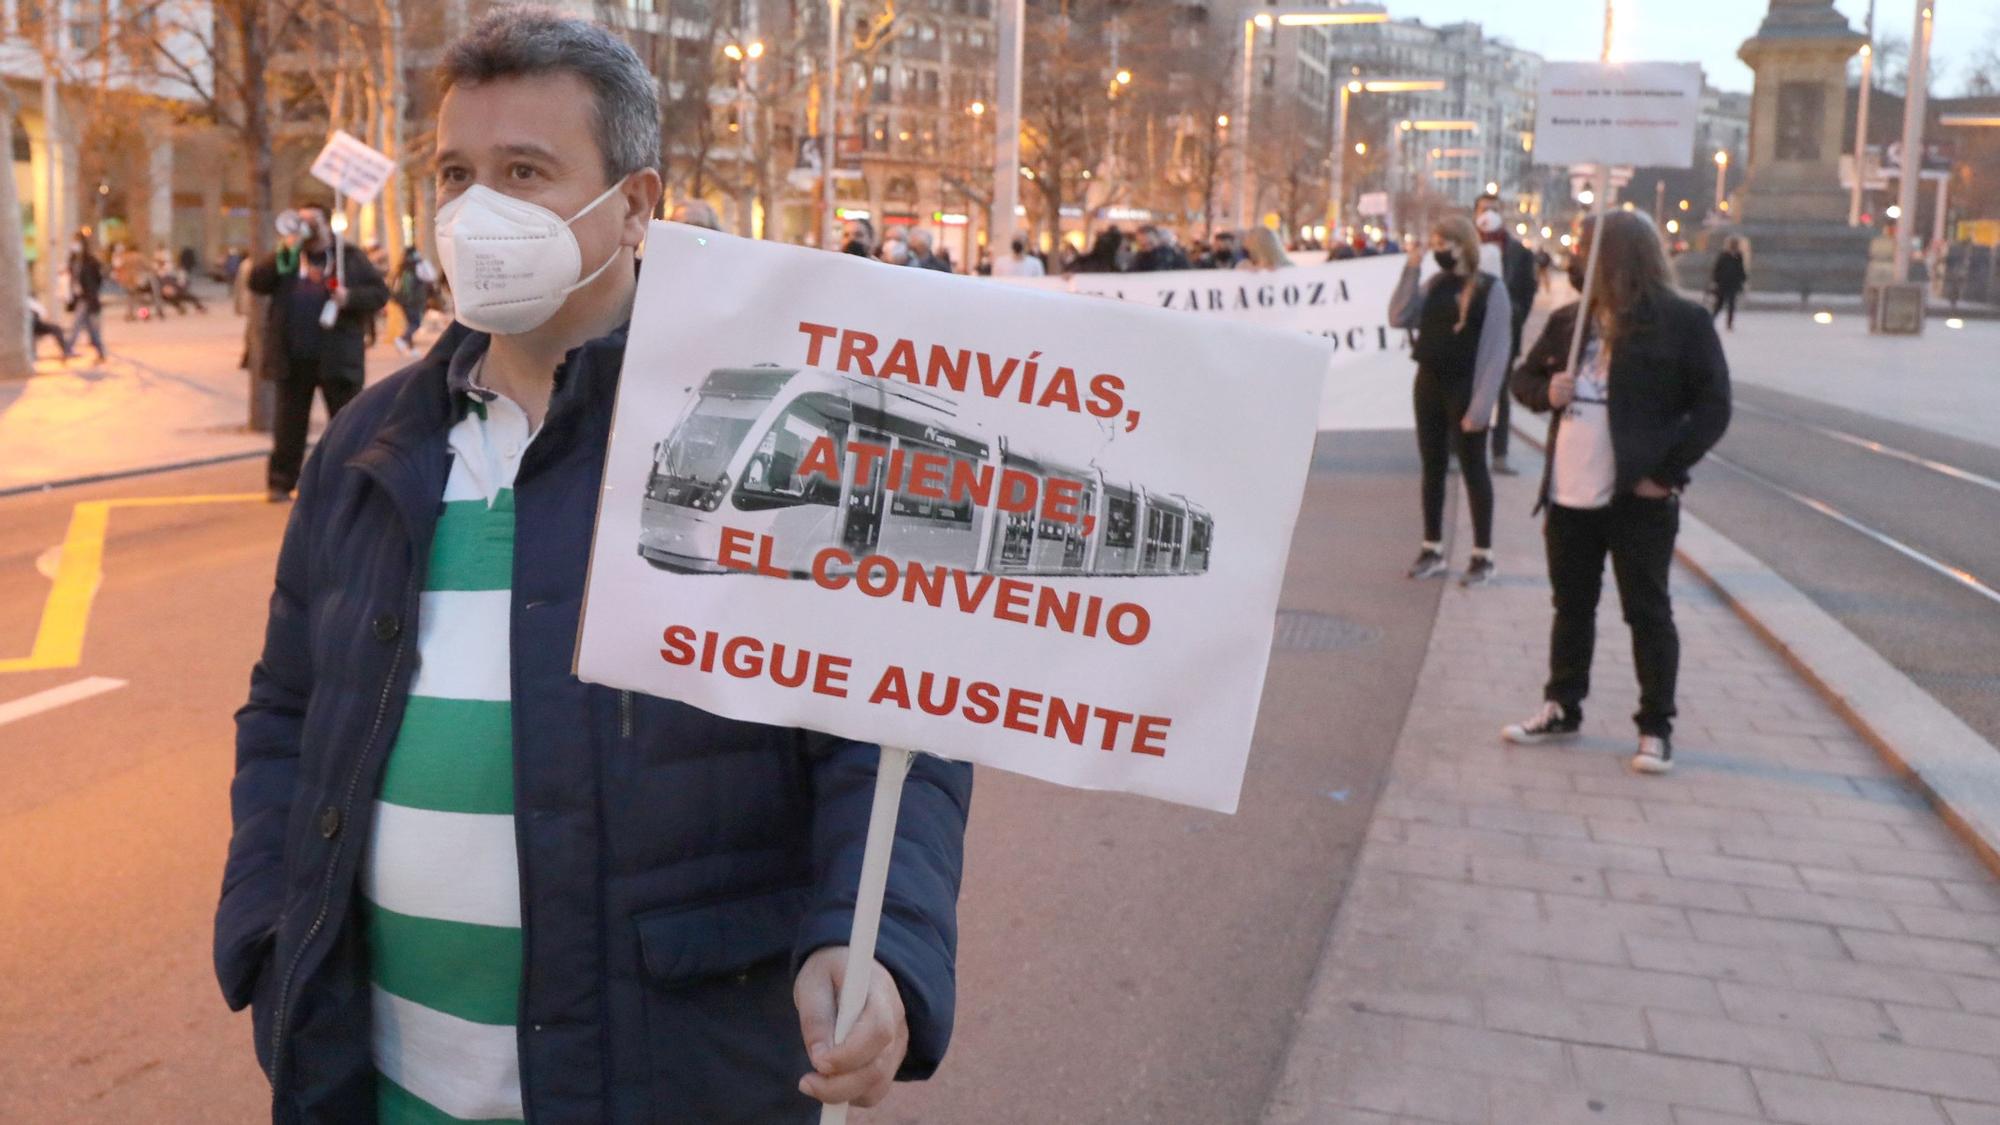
1955,769
122,474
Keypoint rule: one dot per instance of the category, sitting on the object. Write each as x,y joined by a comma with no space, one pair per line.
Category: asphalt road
1938,630
1122,960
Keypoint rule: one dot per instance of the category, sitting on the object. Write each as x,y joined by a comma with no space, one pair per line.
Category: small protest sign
351,168
1640,113
1373,204
987,522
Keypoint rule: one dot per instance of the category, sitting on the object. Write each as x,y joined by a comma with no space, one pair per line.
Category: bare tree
220,54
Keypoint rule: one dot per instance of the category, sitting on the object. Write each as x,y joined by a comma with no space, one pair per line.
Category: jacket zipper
326,890
625,715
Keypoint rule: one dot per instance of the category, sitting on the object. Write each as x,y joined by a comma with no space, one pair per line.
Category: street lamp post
1913,135
1336,195
1861,122
1272,18
1009,17
1721,181
743,55
830,223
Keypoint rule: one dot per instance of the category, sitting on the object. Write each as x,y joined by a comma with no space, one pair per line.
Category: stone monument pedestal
1792,209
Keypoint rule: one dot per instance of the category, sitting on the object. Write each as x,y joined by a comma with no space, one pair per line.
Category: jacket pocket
686,944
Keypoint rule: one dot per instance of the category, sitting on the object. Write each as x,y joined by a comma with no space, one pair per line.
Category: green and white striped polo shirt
442,882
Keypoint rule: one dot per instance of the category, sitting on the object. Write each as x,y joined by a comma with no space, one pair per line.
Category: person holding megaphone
323,293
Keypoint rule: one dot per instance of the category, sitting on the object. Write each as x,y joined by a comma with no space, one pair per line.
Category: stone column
160,191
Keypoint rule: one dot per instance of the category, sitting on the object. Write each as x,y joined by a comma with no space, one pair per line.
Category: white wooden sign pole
889,775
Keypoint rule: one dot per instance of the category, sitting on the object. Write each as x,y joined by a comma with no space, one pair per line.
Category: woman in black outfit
1464,332
1728,279
1649,398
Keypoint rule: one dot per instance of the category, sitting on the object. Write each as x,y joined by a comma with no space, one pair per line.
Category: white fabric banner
1344,303
986,522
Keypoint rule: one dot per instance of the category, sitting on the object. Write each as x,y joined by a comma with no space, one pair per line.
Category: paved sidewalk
1778,932
172,392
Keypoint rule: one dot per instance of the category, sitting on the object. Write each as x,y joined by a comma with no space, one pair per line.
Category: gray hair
518,42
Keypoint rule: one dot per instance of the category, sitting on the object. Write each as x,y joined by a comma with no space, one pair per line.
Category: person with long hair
1265,251
1464,330
1648,398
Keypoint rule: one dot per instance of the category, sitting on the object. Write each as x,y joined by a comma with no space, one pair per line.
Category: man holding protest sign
463,884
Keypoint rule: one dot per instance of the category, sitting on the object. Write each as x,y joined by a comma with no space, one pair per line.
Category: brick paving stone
1803,907
1804,1010
1725,1040
1964,925
1639,988
1924,1070
1517,1103
1667,891
1952,1031
1573,1021
1975,958
1816,1101
1765,933
1695,1082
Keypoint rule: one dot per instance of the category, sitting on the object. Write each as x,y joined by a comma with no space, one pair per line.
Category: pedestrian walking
1728,279
1502,255
1648,399
413,290
1017,262
86,301
464,885
923,251
317,336
1264,251
1461,317
1543,262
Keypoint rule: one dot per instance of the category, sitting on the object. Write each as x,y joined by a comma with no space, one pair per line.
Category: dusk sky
1704,31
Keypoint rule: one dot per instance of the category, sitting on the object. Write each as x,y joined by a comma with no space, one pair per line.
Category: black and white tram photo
808,459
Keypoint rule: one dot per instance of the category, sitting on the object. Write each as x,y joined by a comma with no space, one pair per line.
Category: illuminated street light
1124,78
1492,188
737,52
1895,211
1673,226
1222,120
1586,197
1361,148
976,109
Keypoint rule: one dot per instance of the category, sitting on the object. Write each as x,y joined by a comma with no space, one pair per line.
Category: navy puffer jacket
675,866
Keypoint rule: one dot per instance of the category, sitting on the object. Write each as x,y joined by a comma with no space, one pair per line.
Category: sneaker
1552,722
1503,469
1479,573
1656,755
1429,564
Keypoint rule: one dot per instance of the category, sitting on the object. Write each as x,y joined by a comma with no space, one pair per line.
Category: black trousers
293,414
1440,410
1501,423
1725,299
1639,536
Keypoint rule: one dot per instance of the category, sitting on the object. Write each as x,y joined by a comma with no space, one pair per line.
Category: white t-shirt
1027,265
1585,472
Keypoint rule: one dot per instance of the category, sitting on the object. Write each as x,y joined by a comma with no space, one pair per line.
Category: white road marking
56,697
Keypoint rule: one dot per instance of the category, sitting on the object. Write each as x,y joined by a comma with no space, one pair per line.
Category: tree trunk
394,112
256,134
17,346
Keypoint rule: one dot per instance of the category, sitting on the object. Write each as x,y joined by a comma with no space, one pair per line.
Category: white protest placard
1343,303
1638,113
351,168
983,521
1373,204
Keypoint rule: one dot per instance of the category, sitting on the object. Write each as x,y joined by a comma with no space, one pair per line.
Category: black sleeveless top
1447,354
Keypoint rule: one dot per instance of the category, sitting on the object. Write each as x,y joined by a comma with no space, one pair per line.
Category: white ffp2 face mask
511,263
1489,222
